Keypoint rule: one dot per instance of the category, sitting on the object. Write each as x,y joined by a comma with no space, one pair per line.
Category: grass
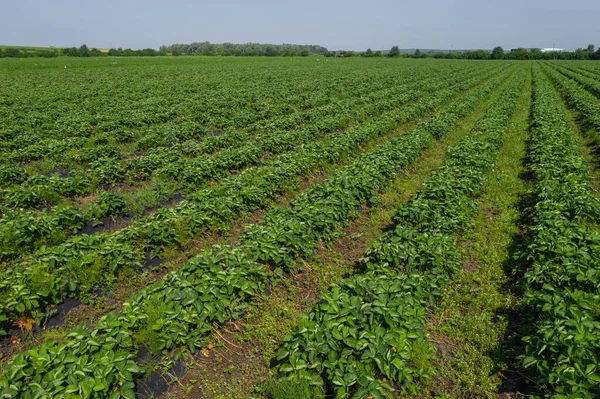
469,327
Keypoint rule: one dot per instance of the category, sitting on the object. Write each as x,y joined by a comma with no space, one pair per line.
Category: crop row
71,103
82,262
561,256
589,69
216,285
583,101
84,150
365,336
24,230
267,102
105,167
589,83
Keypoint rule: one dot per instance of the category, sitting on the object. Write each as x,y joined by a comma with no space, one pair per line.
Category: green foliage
292,388
367,331
181,309
12,52
497,53
148,334
11,174
110,205
560,255
252,189
246,49
581,90
84,51
394,52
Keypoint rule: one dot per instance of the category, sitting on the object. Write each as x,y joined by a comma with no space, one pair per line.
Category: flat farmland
299,227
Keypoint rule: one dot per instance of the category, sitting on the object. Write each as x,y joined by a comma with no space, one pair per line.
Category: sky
337,25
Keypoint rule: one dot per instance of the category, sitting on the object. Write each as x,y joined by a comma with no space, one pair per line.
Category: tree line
245,49
498,53
587,53
196,48
257,49
82,51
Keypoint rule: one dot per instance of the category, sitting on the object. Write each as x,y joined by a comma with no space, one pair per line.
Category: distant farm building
554,49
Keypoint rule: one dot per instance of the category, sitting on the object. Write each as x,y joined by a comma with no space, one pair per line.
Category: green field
312,227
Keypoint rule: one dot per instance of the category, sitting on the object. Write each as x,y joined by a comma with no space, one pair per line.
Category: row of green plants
73,102
588,80
48,190
560,257
216,286
365,337
106,167
77,266
576,95
213,97
589,67
73,151
23,231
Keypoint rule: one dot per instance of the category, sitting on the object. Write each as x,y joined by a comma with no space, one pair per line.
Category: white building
554,49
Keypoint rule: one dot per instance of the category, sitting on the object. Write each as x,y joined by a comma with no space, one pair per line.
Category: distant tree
475,55
84,51
480,55
497,53
394,52
581,54
305,53
418,53
96,53
535,54
271,51
12,52
1,53
220,50
112,52
378,53
368,53
520,54
42,53
176,52
71,52
148,52
591,48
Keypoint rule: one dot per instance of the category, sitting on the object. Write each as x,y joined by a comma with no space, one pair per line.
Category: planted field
278,228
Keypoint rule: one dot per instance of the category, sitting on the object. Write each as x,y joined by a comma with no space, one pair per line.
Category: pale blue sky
350,24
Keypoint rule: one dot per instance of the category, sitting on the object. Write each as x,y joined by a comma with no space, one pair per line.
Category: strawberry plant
215,286
365,337
560,258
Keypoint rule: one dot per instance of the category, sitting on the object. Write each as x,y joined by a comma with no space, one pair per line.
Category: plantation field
216,227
